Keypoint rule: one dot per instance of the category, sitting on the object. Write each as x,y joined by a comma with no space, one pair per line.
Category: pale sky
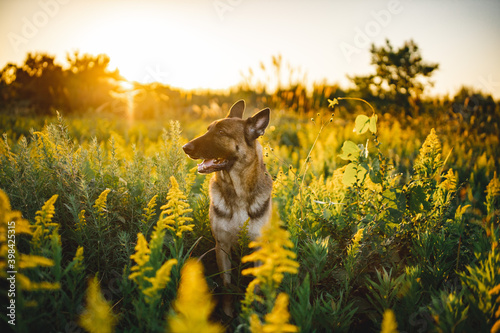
208,43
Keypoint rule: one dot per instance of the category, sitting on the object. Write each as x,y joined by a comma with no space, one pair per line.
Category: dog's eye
221,132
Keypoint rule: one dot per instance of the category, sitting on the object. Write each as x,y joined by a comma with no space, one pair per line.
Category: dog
241,187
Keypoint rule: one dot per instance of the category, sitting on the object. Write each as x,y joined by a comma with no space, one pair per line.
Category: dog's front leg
223,254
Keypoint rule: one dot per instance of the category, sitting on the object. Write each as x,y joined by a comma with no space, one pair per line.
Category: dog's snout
188,148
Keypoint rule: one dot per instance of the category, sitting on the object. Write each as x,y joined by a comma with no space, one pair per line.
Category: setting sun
208,44
157,47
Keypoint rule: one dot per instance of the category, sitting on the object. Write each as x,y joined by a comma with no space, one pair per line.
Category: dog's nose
188,148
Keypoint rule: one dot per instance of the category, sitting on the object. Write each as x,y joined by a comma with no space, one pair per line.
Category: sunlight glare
158,49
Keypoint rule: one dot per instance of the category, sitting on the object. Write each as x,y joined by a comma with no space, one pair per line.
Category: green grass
404,222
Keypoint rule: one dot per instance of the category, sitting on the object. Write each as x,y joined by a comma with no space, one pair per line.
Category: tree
40,84
400,75
477,109
89,82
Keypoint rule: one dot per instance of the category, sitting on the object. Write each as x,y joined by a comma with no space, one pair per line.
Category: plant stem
358,99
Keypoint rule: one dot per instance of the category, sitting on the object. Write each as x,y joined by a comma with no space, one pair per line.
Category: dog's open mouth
212,165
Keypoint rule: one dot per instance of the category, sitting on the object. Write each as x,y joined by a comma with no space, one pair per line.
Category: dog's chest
230,209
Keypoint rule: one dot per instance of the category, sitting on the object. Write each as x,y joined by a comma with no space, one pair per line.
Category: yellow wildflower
493,188
149,211
141,273
100,203
11,223
97,316
250,297
36,241
12,219
194,303
353,249
30,261
277,321
44,216
273,255
332,103
44,144
243,238
172,215
28,285
7,215
389,323
44,225
81,220
141,257
429,159
255,324
450,182
492,194
159,281
78,259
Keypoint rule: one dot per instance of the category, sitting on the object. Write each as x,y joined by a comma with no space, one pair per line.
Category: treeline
86,84
41,84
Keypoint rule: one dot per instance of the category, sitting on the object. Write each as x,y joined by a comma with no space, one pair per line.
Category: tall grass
390,225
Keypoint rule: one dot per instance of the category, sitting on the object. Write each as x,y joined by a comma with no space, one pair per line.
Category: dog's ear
256,125
237,110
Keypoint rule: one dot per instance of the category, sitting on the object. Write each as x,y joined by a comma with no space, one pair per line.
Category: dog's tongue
205,165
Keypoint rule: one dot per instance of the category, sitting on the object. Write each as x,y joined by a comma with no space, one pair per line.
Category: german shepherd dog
241,187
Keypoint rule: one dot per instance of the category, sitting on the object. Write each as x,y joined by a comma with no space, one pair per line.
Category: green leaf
395,203
375,174
361,124
350,151
418,200
355,173
375,177
393,198
350,172
373,124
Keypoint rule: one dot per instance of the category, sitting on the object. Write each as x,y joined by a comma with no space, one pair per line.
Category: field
380,219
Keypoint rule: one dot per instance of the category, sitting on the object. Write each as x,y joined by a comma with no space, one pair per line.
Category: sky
210,43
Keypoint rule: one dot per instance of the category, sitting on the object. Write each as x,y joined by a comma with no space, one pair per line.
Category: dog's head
227,140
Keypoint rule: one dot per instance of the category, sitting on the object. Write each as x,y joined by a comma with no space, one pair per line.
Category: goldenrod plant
150,280
102,228
194,305
81,222
12,227
378,212
278,320
100,206
149,214
389,323
272,257
44,226
173,216
98,315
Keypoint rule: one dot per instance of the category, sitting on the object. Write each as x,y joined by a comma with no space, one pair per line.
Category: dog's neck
240,171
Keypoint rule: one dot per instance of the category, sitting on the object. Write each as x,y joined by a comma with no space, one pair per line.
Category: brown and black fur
241,187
